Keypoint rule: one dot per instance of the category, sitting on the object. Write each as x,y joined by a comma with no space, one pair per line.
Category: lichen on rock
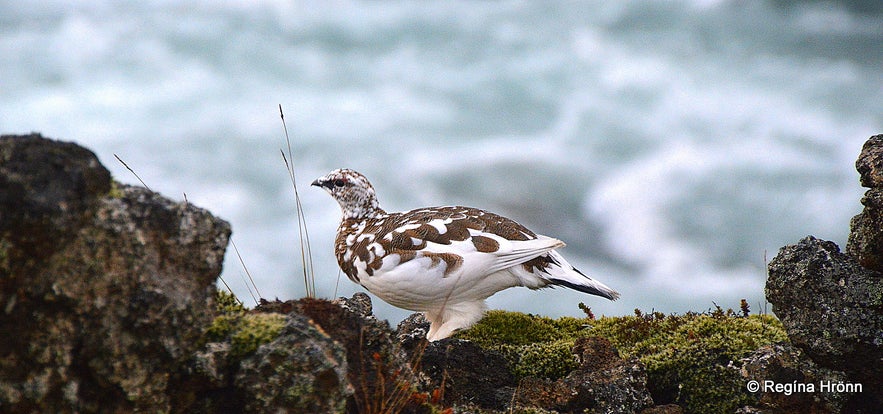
245,331
687,357
534,345
104,293
301,370
782,363
832,309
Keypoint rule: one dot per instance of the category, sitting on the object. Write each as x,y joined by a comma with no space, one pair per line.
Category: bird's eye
339,182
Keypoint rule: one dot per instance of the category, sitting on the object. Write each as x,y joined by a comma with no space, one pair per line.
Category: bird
442,261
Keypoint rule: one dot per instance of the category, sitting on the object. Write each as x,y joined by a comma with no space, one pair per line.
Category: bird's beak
317,183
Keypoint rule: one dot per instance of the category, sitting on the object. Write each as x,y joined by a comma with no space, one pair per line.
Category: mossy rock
244,330
515,328
115,190
691,359
534,346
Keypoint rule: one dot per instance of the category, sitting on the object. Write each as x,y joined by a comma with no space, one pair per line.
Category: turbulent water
675,146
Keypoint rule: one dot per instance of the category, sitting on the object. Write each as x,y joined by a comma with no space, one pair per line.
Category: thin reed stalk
306,254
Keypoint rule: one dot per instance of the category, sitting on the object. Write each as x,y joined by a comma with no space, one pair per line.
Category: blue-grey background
673,145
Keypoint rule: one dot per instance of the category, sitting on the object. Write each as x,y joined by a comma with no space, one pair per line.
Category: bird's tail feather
588,285
562,273
524,250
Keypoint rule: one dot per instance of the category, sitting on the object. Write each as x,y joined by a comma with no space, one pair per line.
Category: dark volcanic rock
865,242
301,371
48,190
831,305
603,383
663,409
468,373
270,362
379,370
870,162
105,289
411,331
832,309
465,373
786,365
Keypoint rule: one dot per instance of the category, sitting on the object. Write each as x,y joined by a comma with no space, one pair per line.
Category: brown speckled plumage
443,261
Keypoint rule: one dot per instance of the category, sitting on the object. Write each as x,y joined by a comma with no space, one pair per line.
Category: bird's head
352,191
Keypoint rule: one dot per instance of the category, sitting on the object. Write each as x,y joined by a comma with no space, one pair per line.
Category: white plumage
442,261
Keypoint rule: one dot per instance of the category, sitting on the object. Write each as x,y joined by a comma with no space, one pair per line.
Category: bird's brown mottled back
408,232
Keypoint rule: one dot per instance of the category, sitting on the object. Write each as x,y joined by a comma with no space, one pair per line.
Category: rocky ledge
108,304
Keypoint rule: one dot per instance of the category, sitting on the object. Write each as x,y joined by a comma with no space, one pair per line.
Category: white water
672,145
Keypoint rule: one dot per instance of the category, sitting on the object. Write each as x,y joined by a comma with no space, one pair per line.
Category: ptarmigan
442,261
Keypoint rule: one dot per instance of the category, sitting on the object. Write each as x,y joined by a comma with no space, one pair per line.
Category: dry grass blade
306,254
247,286
242,262
131,171
336,284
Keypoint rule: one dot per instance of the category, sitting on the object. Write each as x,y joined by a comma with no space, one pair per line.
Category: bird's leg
445,330
454,317
435,322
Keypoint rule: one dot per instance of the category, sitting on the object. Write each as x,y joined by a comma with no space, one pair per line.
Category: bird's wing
455,234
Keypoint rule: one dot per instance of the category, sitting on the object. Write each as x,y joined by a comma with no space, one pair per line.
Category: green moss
533,345
253,330
688,357
543,360
245,331
226,303
514,328
115,191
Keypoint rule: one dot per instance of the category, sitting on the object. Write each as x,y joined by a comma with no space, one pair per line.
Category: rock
105,289
752,410
865,242
663,409
360,305
411,331
468,374
832,309
603,383
263,361
301,371
205,383
379,370
786,365
48,190
870,163
212,363
465,374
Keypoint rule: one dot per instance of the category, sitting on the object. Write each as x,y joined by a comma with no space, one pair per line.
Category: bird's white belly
419,285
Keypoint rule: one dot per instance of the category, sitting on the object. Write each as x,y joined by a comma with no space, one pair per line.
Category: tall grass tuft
306,254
